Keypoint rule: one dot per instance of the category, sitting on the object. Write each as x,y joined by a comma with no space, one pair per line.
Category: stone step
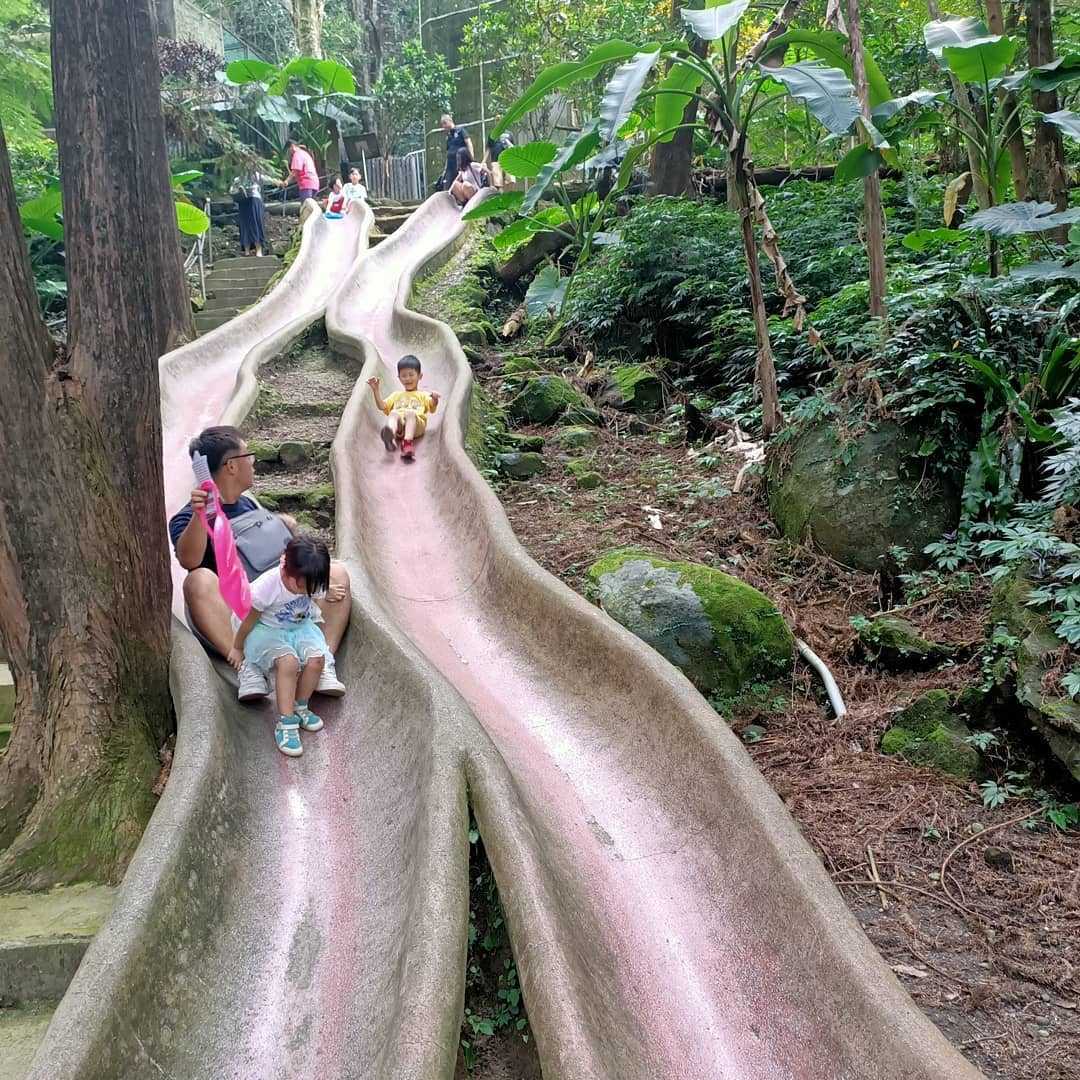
237,300
244,274
205,323
245,261
22,1030
43,937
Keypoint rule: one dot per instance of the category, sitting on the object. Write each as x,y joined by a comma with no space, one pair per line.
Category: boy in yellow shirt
408,409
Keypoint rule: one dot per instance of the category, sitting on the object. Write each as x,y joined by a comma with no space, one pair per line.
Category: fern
1063,467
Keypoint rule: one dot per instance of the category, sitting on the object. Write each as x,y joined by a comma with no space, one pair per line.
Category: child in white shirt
280,635
354,190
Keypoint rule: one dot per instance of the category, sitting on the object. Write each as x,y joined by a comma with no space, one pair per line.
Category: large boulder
722,633
894,643
633,388
929,732
858,500
1054,716
519,464
549,397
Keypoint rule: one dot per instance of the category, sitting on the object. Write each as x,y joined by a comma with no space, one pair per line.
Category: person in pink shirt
302,169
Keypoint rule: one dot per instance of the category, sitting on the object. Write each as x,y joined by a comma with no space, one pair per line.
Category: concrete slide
291,918
668,919
276,919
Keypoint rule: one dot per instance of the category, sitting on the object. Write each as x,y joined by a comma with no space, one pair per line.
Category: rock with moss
575,437
584,474
546,398
266,453
486,433
633,388
929,732
519,465
1053,715
517,367
894,643
858,499
517,441
721,632
476,332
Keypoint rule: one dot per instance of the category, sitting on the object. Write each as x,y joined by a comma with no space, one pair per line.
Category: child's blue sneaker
308,720
287,737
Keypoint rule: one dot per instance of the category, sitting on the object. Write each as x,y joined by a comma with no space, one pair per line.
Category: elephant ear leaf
545,295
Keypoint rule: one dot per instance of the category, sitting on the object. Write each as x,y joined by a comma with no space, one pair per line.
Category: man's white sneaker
329,683
252,684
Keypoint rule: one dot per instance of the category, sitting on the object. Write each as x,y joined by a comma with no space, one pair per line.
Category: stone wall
183,20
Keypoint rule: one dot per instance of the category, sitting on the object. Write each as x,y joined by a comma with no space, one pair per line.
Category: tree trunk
963,99
1047,176
1014,136
766,365
307,20
84,571
875,217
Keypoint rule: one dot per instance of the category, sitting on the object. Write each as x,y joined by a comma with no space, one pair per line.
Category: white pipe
815,661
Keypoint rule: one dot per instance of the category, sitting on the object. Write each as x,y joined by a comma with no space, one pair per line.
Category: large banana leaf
1012,219
242,72
832,48
980,60
504,203
1065,69
674,94
560,76
943,32
859,162
40,214
888,109
582,146
527,161
622,92
715,22
827,92
1069,122
276,110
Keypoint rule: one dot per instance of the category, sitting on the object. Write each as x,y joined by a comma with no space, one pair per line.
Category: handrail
195,255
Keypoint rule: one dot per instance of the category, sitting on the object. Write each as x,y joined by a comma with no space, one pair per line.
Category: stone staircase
234,284
388,219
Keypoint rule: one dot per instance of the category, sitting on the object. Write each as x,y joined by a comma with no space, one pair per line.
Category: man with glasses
260,539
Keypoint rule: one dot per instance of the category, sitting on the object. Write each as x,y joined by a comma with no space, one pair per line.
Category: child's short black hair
308,559
216,444
409,361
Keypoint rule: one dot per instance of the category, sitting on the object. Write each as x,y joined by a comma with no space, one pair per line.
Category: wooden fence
405,182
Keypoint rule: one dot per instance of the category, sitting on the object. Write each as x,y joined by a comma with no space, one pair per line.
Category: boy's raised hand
373,382
434,395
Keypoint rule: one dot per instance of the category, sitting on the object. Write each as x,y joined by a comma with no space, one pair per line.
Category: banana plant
734,93
305,92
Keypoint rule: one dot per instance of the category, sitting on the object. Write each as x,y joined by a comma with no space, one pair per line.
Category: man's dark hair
409,361
307,558
216,444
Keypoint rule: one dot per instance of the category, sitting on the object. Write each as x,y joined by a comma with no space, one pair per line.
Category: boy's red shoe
407,449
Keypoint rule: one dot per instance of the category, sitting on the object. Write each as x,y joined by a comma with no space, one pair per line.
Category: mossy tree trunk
84,571
1048,178
308,21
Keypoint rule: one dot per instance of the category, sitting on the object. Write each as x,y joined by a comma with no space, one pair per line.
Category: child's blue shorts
266,644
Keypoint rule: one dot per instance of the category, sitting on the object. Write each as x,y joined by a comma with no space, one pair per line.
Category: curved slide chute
668,918
283,918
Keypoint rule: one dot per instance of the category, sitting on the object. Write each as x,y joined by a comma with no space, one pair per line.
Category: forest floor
977,910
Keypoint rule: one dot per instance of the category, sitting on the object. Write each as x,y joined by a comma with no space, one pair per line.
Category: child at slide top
408,409
279,635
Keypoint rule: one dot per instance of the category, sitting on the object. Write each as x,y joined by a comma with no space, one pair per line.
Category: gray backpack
260,538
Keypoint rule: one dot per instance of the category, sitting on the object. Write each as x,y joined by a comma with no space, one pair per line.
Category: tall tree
308,21
84,572
1010,110
1048,179
874,214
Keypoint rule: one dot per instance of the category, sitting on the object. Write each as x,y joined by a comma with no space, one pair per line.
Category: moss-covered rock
893,642
521,366
1053,716
486,433
548,397
575,437
519,465
858,500
583,472
266,453
928,732
516,441
633,388
719,631
476,332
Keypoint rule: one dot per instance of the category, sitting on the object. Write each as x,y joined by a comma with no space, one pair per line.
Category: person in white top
354,190
280,635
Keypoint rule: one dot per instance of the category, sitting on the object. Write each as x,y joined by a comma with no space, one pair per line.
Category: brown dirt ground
994,958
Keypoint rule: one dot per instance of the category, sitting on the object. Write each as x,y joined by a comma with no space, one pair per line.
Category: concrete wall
183,20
